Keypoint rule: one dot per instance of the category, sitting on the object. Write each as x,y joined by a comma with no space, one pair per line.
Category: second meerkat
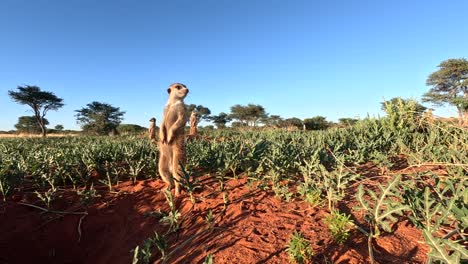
193,123
172,137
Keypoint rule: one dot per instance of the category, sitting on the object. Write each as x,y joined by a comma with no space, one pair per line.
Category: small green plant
172,218
47,197
161,244
209,219
208,259
87,196
282,192
335,183
142,254
339,225
380,210
250,183
311,195
299,249
135,168
263,185
189,184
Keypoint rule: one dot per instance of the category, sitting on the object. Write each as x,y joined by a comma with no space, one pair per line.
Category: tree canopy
220,120
272,121
99,118
347,121
202,111
248,115
449,85
130,129
316,123
40,102
291,122
29,124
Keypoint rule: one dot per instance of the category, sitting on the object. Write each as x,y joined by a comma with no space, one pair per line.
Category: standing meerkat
193,123
152,130
172,137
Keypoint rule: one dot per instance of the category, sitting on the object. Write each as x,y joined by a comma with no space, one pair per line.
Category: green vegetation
324,163
339,225
142,254
299,249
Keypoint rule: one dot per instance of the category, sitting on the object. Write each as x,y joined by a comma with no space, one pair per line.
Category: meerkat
172,137
152,130
193,123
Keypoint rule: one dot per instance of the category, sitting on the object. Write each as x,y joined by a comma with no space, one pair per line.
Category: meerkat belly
173,115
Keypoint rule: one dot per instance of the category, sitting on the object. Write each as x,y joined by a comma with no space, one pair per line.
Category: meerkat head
152,120
177,91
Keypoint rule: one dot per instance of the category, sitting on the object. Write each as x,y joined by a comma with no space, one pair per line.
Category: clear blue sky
335,58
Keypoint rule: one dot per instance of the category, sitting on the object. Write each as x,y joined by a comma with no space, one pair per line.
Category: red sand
255,228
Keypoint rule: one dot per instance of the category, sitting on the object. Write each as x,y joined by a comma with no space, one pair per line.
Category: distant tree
28,124
347,121
272,121
237,124
399,103
59,127
248,115
130,129
40,102
99,118
316,123
291,122
220,120
202,112
450,86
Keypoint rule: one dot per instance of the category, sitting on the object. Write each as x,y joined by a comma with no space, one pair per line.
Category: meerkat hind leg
165,167
178,160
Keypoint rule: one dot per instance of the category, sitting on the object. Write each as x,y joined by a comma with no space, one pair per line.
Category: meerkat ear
169,90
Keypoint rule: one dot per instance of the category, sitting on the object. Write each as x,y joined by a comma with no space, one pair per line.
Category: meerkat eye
178,87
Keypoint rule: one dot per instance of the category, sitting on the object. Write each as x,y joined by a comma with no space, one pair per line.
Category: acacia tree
99,118
220,120
347,121
291,122
450,86
316,123
248,115
272,121
40,102
28,124
203,112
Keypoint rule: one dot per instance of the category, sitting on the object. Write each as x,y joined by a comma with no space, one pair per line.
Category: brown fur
152,130
193,124
172,137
